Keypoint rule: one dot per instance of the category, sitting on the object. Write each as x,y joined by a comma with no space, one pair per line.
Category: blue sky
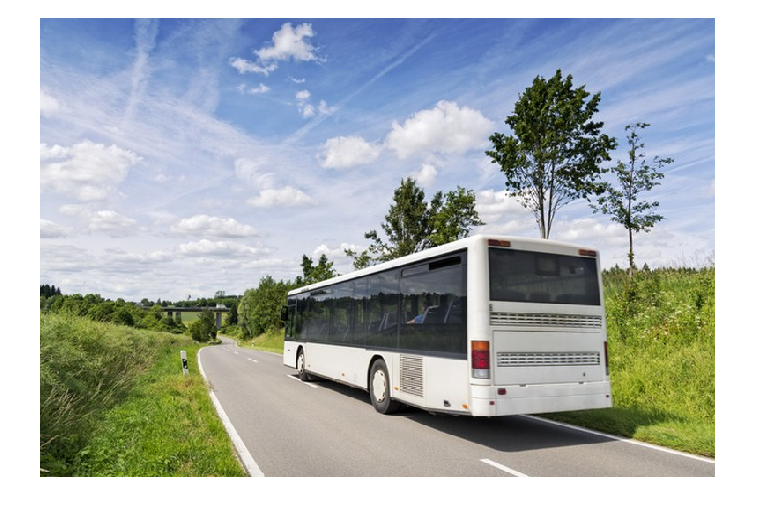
183,157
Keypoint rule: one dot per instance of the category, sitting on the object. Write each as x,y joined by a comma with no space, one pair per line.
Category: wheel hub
379,386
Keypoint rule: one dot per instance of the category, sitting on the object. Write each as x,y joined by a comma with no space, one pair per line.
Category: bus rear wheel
380,389
302,374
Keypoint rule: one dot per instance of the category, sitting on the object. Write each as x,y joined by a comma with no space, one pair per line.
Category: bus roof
463,243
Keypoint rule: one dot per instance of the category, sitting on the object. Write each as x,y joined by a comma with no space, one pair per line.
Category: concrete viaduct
218,310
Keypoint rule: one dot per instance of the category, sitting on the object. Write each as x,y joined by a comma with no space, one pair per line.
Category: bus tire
380,389
301,366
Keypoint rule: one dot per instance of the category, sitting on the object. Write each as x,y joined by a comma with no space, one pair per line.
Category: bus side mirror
283,315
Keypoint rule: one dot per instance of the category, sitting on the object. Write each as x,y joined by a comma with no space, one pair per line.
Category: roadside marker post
184,364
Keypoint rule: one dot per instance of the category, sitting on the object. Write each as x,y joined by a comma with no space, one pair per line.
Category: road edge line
244,454
670,451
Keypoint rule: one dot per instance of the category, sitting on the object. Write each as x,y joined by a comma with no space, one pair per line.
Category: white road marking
253,360
303,382
503,468
625,440
244,454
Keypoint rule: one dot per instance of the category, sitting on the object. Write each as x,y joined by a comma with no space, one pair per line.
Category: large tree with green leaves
621,201
413,223
203,329
312,274
259,308
554,153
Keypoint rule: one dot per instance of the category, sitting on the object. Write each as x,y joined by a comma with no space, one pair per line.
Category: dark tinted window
523,276
381,310
433,307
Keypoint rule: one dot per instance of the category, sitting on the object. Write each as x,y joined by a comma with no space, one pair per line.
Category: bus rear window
538,277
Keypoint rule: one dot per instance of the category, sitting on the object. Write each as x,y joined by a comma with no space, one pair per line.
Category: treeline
249,315
96,308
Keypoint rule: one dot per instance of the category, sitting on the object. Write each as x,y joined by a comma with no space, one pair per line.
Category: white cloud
121,257
254,90
503,214
334,253
49,106
87,171
307,110
253,171
289,43
244,66
304,106
225,249
324,109
49,229
204,225
112,223
347,151
284,197
426,176
446,129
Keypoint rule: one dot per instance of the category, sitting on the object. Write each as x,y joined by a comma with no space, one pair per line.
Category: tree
231,316
413,224
259,309
554,154
313,274
637,176
204,329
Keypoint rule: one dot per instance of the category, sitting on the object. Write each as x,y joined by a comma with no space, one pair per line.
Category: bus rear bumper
535,399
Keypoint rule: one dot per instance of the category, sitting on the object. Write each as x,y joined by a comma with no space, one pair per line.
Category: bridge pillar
178,316
218,320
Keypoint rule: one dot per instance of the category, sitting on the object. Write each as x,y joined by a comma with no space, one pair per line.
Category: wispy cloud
386,69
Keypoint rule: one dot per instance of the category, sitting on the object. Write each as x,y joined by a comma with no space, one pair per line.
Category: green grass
114,402
167,427
272,340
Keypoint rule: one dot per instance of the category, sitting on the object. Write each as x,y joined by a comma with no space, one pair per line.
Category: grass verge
114,402
272,341
167,427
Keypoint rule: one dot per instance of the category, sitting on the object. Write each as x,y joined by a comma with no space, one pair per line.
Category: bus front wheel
380,389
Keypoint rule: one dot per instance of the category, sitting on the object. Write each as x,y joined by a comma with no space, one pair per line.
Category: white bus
484,326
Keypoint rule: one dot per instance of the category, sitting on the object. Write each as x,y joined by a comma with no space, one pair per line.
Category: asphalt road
291,428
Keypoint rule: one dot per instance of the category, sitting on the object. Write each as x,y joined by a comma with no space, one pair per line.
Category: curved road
291,428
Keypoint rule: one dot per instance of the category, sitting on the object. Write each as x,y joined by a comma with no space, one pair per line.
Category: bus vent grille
411,374
544,320
548,359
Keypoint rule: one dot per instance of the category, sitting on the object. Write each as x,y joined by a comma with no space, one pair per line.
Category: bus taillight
480,359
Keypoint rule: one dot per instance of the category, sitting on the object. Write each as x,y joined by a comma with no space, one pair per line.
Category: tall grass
114,401
166,427
85,367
